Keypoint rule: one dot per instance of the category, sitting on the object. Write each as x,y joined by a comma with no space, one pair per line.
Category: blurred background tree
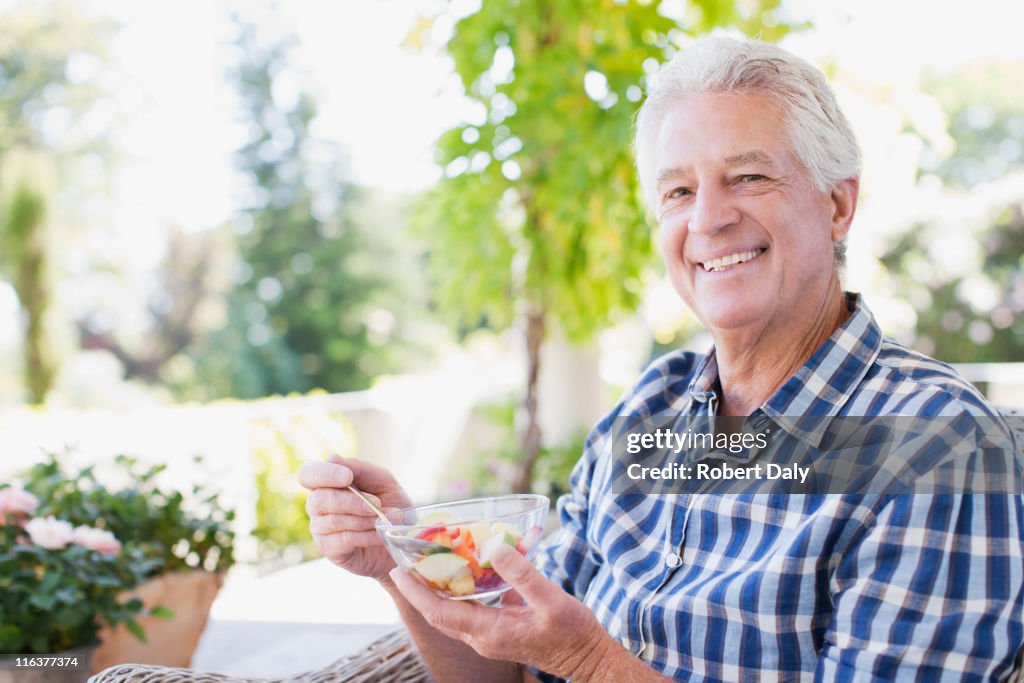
44,51
538,220
26,192
310,285
964,271
184,304
323,291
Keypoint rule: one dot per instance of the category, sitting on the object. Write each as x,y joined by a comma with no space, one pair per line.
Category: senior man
752,171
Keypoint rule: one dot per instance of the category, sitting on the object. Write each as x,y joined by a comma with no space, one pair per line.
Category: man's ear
844,205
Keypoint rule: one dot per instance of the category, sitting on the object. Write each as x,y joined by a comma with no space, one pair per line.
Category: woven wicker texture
390,659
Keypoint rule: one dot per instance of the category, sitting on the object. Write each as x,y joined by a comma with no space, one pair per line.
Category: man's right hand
341,524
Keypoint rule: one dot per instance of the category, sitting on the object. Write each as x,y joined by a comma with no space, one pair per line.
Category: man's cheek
671,239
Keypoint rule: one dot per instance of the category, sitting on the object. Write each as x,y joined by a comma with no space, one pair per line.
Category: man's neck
750,371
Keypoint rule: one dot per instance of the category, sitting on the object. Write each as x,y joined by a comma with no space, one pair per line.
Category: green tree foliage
538,217
319,300
40,94
971,313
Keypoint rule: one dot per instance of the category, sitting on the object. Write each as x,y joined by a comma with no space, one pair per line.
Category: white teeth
731,260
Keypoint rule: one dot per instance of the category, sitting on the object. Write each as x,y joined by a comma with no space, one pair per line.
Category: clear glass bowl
448,546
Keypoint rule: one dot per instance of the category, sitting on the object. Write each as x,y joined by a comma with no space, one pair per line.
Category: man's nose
713,210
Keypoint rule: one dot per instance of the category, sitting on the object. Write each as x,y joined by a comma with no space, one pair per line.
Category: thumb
369,477
533,586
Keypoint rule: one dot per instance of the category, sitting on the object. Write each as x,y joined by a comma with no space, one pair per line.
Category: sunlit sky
386,105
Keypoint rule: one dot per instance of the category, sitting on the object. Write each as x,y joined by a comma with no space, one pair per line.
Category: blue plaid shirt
764,587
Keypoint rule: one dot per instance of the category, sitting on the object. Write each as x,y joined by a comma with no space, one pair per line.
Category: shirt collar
822,386
705,379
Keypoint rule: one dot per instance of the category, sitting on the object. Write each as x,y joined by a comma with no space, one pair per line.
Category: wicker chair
390,659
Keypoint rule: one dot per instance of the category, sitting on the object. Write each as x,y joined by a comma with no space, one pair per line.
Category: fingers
331,474
331,523
369,477
337,473
338,501
512,598
454,618
533,586
341,544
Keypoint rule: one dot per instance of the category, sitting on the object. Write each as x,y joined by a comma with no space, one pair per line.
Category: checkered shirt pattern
776,587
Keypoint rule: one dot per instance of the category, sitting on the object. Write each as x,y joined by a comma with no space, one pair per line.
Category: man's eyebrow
753,156
669,174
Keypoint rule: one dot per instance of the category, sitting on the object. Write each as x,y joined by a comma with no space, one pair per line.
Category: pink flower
96,539
17,501
49,533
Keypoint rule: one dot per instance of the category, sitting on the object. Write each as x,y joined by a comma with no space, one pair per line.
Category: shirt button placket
673,560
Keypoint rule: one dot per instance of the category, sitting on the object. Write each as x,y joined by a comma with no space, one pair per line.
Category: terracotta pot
67,673
170,642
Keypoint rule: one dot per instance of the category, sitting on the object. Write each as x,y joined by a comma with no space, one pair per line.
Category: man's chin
730,318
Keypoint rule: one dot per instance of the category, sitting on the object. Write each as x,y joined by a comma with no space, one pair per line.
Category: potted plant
59,585
186,540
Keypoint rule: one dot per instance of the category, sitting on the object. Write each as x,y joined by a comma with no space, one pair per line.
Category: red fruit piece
489,580
426,533
439,535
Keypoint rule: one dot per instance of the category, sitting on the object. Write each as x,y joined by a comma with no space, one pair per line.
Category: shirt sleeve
933,591
566,556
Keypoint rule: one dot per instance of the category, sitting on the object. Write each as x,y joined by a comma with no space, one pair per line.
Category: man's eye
678,192
751,178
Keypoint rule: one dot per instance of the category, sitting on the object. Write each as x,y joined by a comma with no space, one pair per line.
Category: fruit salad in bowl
449,546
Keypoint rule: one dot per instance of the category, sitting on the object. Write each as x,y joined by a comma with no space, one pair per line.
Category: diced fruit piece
498,527
435,518
436,549
480,531
441,568
463,550
492,544
532,536
489,580
462,584
430,531
466,538
437,534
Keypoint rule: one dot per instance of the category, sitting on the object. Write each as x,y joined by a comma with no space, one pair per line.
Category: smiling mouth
726,262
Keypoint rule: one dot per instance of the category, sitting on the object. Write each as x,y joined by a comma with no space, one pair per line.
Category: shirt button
673,560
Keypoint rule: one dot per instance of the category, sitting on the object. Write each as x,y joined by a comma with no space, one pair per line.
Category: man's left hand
539,623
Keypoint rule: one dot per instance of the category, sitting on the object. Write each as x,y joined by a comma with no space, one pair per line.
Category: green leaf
49,582
42,601
135,629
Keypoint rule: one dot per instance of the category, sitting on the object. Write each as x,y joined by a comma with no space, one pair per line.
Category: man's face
746,238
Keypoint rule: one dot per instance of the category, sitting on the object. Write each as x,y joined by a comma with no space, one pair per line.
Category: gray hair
819,134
